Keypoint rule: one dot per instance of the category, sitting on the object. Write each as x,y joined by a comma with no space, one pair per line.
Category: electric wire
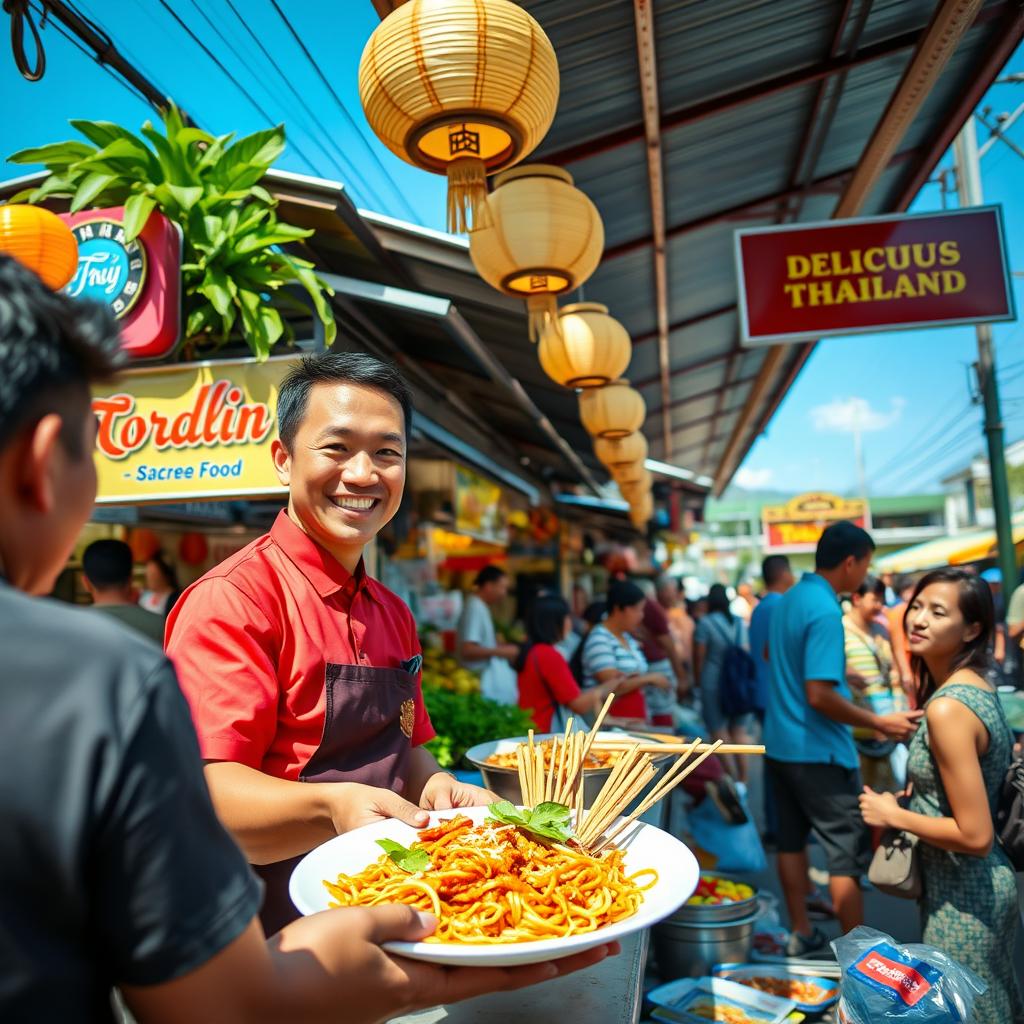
342,160
238,85
344,110
924,439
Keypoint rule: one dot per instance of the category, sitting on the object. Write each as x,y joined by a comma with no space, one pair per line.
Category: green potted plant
234,273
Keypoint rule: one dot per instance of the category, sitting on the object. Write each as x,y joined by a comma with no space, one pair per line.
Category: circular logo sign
110,269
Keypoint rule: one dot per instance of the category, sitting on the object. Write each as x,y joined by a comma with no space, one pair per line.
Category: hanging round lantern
41,241
545,238
627,472
193,549
613,411
631,490
590,349
144,544
613,451
460,87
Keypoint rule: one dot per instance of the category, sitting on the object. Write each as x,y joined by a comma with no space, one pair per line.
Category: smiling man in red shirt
297,666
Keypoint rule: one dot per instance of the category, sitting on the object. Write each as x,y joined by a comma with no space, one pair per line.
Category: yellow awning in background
959,549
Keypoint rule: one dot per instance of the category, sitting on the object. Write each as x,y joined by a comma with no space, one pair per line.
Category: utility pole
968,176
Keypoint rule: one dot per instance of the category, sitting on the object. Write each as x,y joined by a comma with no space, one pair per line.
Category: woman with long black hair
958,759
546,685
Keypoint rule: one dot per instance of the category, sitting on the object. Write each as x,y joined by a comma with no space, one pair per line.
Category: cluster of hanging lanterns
469,88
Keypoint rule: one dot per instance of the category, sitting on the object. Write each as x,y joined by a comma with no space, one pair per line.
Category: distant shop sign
800,283
190,432
799,524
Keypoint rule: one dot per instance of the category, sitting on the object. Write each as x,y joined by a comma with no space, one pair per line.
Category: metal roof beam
692,321
701,364
730,100
829,182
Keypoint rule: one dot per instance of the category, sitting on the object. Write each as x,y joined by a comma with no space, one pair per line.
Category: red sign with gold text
804,282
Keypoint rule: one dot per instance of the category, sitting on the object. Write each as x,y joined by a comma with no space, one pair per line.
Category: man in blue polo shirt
812,761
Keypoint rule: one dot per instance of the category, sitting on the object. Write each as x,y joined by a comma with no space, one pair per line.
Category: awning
960,549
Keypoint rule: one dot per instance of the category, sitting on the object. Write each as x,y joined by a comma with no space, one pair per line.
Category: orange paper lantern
612,411
591,348
193,549
41,241
615,451
144,544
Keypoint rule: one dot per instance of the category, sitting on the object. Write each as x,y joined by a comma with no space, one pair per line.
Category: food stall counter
607,993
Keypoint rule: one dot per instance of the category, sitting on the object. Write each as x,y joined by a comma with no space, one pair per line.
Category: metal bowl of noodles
503,777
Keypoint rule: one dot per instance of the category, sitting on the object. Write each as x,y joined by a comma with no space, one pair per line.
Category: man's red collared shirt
252,639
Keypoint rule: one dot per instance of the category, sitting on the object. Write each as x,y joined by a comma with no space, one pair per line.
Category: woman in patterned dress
958,759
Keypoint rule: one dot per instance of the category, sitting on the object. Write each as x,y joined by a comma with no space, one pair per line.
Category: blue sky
910,387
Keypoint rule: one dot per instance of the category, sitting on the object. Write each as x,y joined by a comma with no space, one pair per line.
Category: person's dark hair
623,594
489,574
773,568
872,585
902,583
166,570
977,608
718,600
335,368
839,542
107,563
545,624
52,348
595,611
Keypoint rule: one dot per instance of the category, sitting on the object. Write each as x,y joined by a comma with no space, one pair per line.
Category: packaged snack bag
886,981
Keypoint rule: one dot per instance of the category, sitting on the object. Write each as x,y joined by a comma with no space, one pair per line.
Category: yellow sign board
189,432
799,524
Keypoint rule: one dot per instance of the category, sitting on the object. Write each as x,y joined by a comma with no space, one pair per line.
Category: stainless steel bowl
505,781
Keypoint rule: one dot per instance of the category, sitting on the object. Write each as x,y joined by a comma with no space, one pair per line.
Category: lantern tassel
543,310
467,195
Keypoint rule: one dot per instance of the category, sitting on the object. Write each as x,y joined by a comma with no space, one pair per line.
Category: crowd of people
876,699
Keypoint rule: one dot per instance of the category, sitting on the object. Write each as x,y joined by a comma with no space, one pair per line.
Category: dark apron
368,724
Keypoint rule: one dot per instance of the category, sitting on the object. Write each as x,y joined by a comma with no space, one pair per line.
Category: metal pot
698,936
505,781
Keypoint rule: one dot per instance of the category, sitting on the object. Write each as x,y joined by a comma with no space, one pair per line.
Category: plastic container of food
812,994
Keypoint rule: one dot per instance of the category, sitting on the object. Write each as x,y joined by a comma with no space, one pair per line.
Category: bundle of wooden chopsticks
561,779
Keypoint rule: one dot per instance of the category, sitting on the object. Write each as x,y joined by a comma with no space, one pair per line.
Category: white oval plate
645,845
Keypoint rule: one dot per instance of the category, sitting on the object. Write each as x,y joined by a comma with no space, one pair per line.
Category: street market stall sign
872,274
140,280
189,432
799,524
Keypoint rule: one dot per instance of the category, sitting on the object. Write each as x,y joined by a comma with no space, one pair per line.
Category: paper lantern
613,451
545,238
590,349
613,411
144,544
193,549
627,472
634,489
41,241
460,87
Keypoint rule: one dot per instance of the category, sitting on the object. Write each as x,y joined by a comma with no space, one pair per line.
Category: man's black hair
773,568
839,542
335,368
489,574
872,585
52,348
624,594
107,564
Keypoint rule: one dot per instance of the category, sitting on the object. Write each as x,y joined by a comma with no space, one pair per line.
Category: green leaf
316,289
57,154
261,193
507,812
202,318
103,133
279,234
547,820
186,196
90,188
246,161
406,859
130,151
549,813
136,212
170,165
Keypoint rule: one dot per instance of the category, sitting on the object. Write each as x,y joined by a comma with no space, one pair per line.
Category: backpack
1009,818
738,690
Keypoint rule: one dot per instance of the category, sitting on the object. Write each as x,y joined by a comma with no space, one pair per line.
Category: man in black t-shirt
114,870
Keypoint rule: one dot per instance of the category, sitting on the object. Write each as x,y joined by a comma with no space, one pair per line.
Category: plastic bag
886,981
737,848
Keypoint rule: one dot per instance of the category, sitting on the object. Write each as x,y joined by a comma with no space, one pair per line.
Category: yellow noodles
493,884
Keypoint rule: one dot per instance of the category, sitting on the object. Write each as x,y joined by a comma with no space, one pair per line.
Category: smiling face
935,625
346,469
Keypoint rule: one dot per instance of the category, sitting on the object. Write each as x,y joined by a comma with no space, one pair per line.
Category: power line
344,110
231,78
912,449
342,158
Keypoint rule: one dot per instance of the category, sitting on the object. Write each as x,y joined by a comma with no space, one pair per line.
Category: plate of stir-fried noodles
502,894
